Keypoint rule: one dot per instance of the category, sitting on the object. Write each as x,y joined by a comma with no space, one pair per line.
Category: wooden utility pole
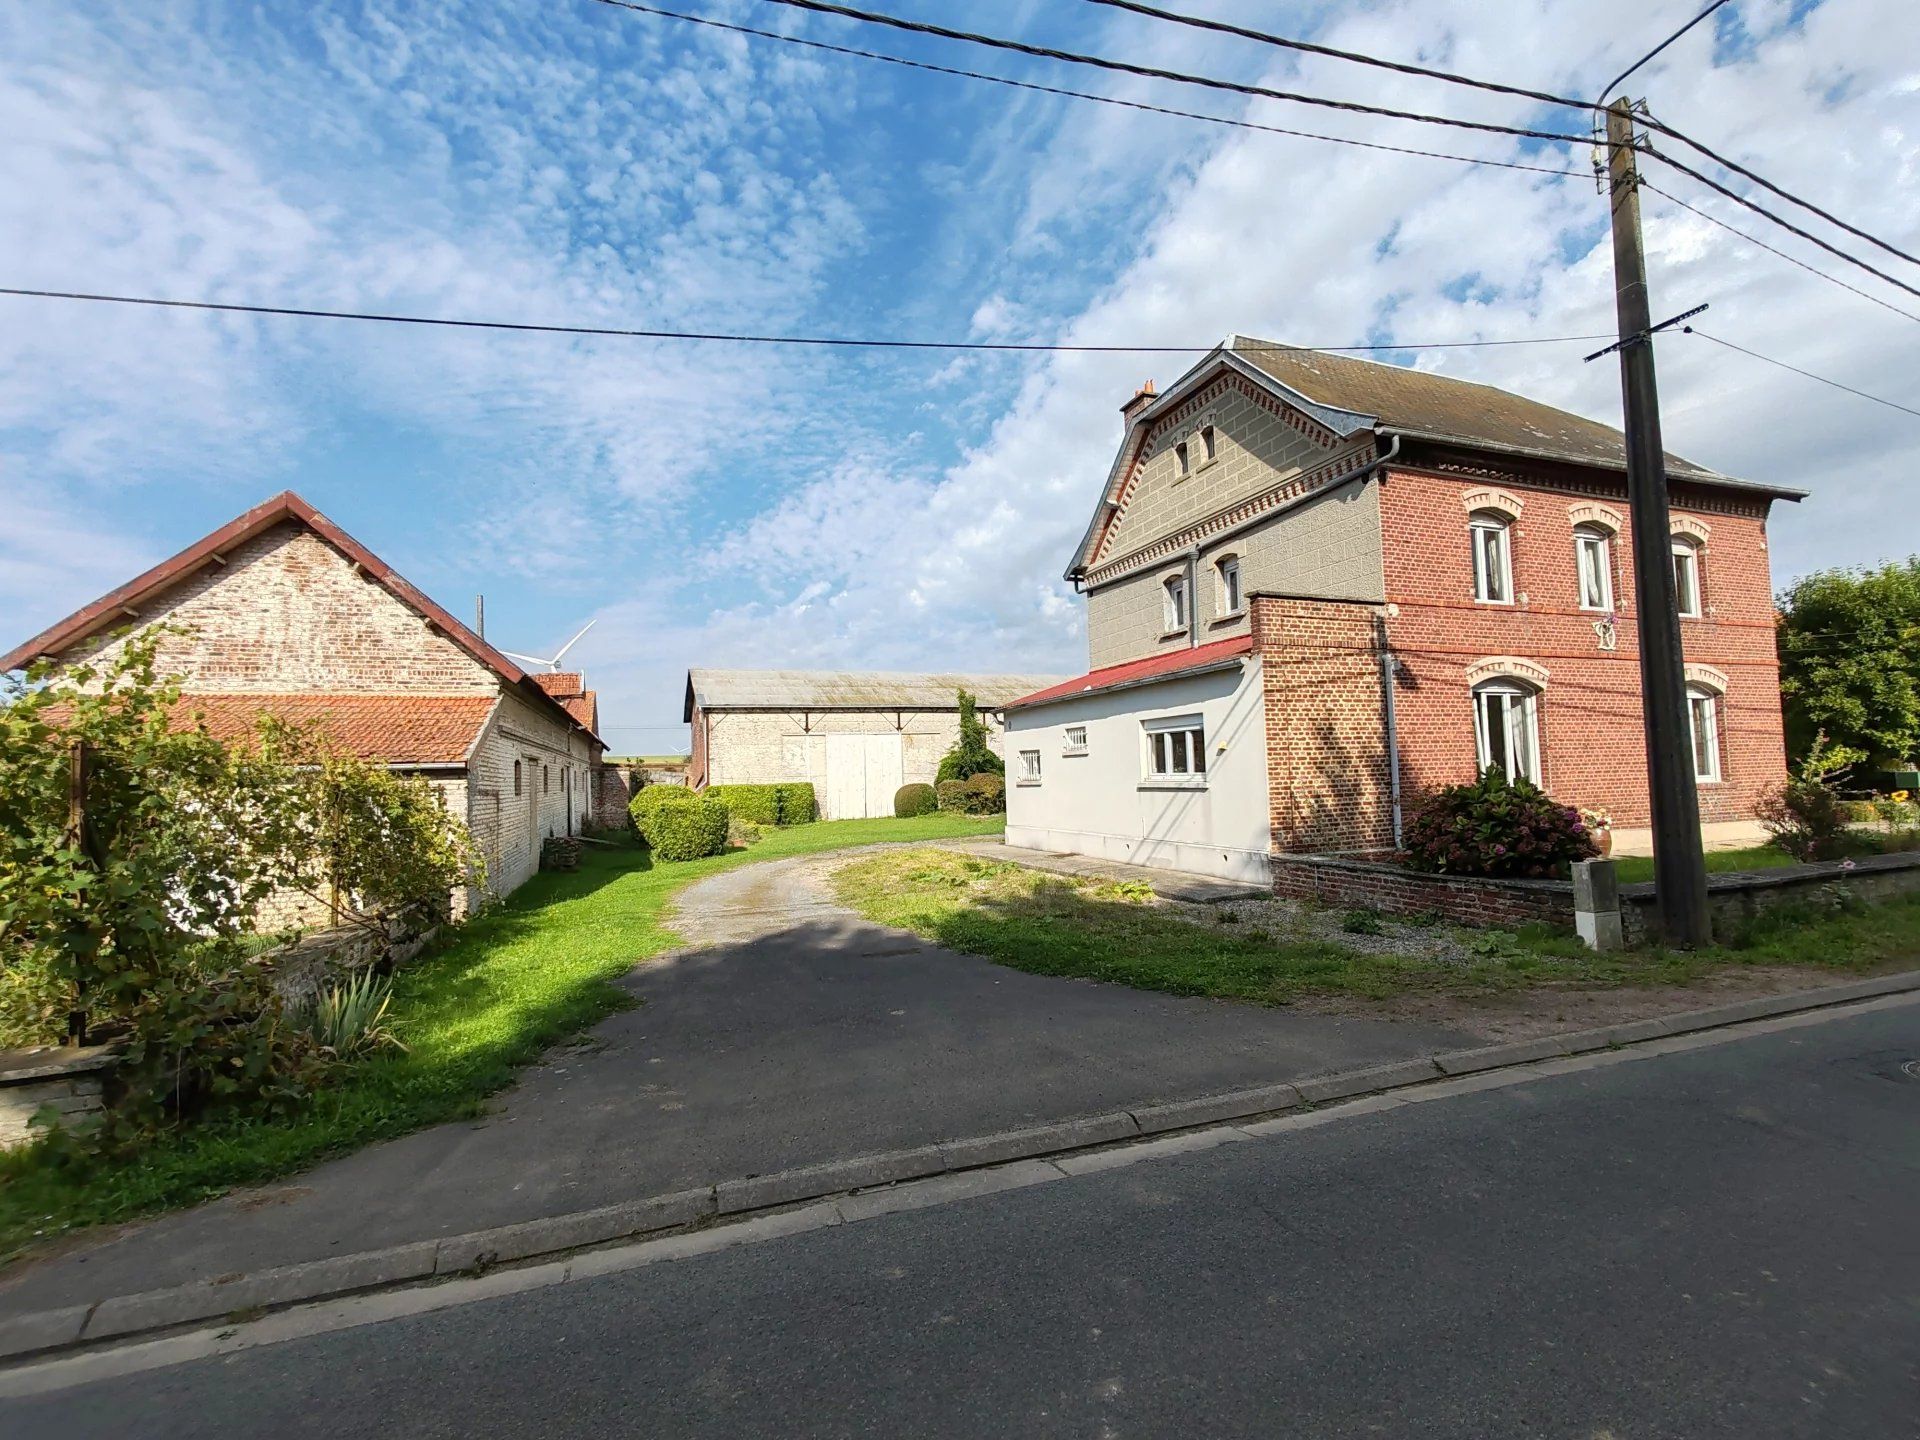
1679,867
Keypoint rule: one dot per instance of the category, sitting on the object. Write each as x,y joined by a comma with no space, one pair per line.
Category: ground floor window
1029,767
1703,718
1176,748
1506,729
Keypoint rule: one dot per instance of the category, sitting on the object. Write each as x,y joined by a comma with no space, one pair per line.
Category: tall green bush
970,755
689,831
914,799
1850,662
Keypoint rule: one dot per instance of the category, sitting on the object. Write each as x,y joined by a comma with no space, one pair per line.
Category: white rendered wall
1102,803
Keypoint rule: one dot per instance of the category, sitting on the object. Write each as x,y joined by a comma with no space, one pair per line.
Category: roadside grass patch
1633,869
1052,924
491,998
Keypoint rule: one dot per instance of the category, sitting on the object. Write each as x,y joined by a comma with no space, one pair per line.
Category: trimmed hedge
789,803
951,796
915,799
654,800
686,832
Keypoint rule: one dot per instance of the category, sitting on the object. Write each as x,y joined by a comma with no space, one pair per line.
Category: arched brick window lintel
1507,667
1501,502
1707,678
1603,517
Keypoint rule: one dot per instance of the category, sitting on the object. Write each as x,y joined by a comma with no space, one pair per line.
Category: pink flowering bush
1499,827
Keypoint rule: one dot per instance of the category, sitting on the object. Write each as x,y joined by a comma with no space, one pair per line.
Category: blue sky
755,506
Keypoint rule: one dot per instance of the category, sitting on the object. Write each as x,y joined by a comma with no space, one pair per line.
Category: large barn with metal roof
857,736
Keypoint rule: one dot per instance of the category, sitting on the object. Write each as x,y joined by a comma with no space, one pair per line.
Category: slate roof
1439,407
1164,666
850,689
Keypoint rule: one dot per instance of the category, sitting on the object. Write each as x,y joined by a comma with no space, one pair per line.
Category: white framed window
1183,458
1176,603
1703,719
1076,740
1686,577
1176,749
1506,729
1492,559
1593,562
1029,767
1207,450
1229,589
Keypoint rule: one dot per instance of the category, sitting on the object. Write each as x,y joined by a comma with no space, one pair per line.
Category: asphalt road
1720,1242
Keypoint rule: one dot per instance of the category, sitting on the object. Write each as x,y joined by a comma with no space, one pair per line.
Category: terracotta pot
1603,837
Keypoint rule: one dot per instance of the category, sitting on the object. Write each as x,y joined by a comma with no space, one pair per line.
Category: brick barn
286,614
857,736
1316,585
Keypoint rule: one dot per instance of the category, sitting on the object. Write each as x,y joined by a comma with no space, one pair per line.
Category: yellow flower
1900,797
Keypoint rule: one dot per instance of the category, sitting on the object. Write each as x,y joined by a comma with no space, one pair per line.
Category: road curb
118,1318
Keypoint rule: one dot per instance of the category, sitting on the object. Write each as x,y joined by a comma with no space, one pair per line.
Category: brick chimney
1142,398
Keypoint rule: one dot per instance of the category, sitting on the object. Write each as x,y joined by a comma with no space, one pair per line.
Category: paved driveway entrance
798,1034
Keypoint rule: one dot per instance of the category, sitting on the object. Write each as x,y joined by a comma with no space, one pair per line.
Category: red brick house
284,613
1316,585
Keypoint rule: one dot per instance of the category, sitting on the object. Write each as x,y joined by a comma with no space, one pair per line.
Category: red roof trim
1165,666
285,506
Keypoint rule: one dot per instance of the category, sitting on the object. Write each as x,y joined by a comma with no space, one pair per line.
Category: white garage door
863,771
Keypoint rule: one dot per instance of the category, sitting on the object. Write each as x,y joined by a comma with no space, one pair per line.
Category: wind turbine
554,663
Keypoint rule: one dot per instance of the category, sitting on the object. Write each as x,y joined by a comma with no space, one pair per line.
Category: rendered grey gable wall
1328,545
1255,448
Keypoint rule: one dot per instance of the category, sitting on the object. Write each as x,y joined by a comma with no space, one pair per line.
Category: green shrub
690,830
986,793
970,754
348,1019
653,801
1496,827
788,803
915,799
1806,816
1363,922
951,796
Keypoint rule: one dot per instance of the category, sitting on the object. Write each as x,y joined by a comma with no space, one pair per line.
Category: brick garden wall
1591,736
1343,881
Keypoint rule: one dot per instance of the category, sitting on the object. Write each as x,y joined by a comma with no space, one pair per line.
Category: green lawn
1634,868
1059,925
502,990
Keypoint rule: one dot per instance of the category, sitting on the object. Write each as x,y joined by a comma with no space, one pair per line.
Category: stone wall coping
41,1062
1732,882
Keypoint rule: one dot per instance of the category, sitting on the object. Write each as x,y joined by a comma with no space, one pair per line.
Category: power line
1201,22
1607,89
1076,94
1542,96
1890,404
1154,72
1661,127
1762,211
847,342
1772,250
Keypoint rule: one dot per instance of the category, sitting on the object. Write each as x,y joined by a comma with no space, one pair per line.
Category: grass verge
1059,925
1632,869
493,997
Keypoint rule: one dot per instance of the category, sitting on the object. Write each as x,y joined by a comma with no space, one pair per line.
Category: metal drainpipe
1193,597
1393,729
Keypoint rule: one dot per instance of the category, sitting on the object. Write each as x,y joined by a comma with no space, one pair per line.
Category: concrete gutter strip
857,1186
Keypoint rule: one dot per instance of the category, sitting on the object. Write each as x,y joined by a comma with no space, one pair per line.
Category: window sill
1070,754
1174,782
1179,634
1027,784
1229,618
1499,604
